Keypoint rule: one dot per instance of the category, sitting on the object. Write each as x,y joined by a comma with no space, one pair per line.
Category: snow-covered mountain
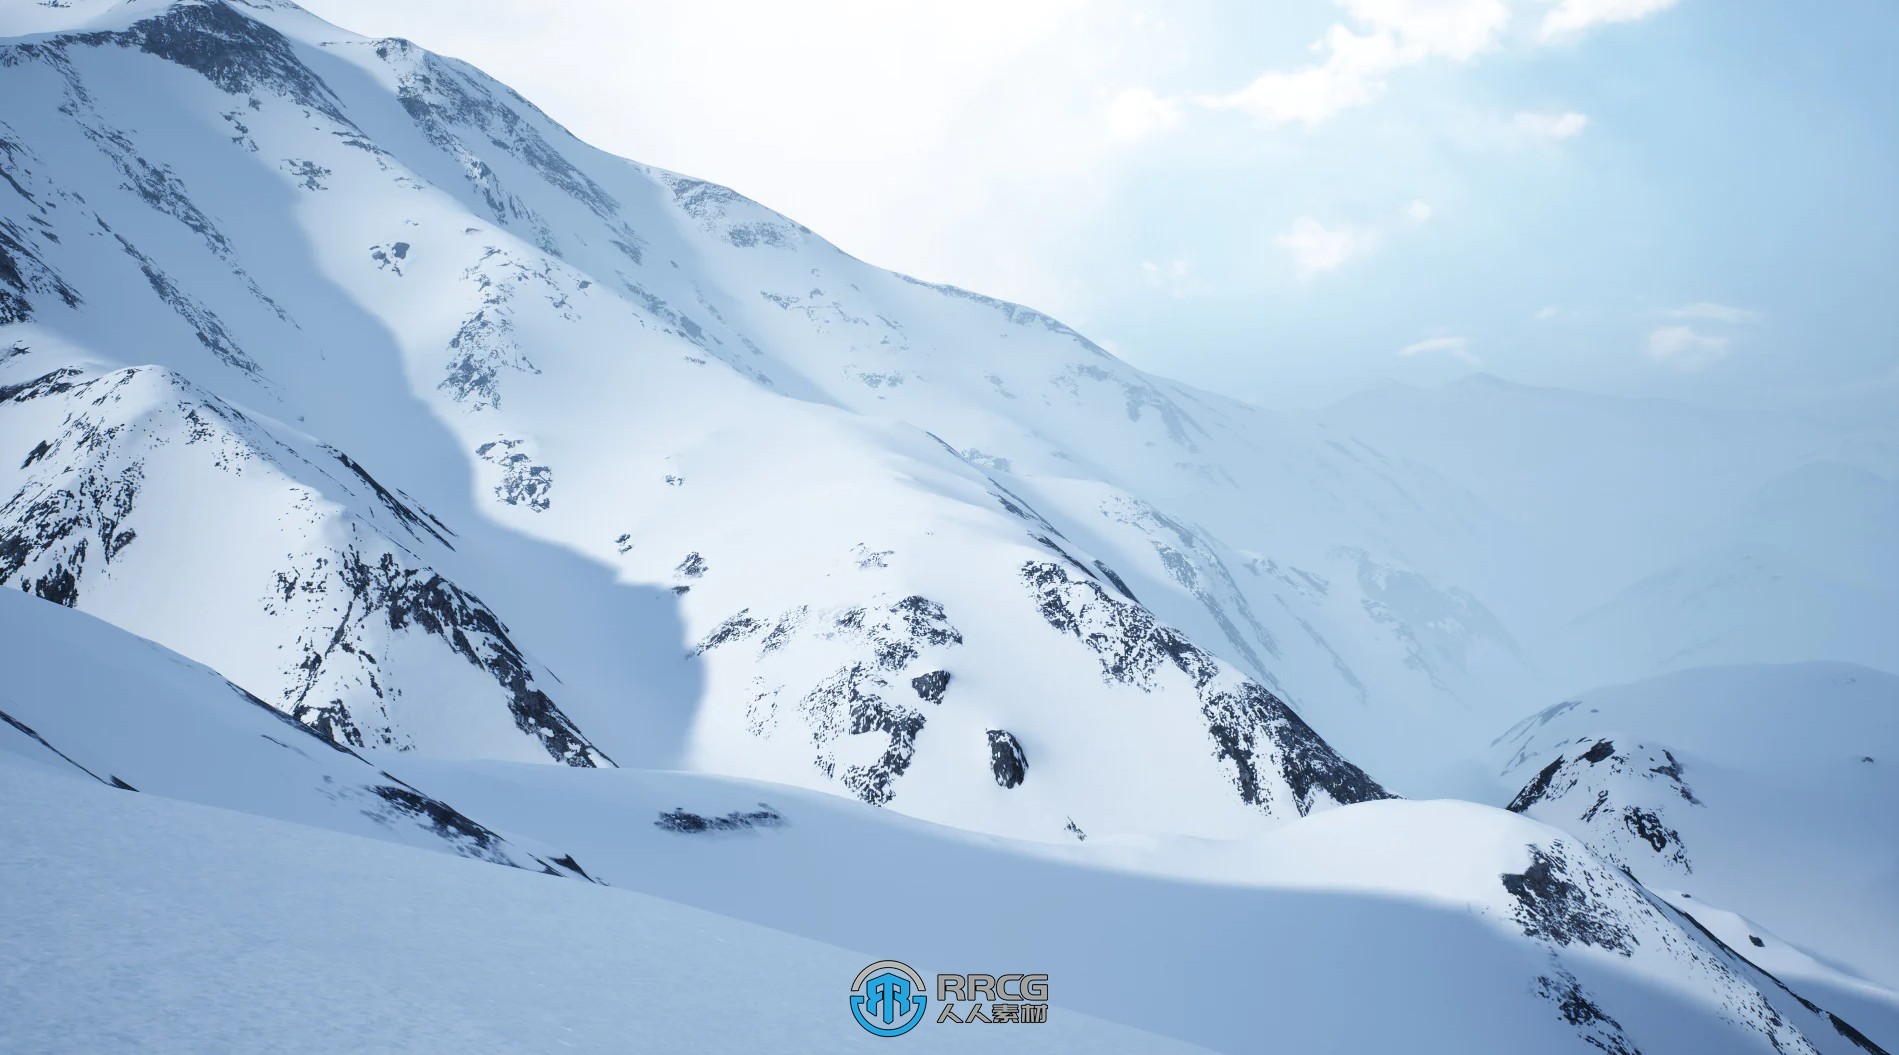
1803,568
420,473
354,355
168,926
1460,927
94,700
1762,790
1650,535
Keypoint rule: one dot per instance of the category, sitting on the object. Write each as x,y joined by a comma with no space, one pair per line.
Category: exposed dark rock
870,713
1116,580
1593,1024
204,323
380,590
27,731
1537,788
1649,828
850,700
1673,772
55,527
522,482
1765,1019
1249,726
465,836
1196,566
1006,760
738,626
410,519
238,54
1602,799
471,119
868,558
1554,906
931,686
678,820
389,257
308,174
51,383
22,272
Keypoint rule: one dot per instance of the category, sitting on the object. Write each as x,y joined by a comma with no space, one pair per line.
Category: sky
1289,200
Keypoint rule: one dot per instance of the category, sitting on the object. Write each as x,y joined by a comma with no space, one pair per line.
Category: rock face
1006,759
1564,778
1730,786
369,397
102,703
340,595
1276,761
880,643
400,424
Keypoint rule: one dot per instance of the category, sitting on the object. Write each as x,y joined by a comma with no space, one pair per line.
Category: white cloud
1389,35
1685,348
1352,75
1455,347
1710,312
1419,212
1455,29
1551,125
1316,248
1547,312
1173,276
1136,113
1575,16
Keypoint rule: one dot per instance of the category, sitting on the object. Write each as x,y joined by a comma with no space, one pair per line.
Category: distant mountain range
420,473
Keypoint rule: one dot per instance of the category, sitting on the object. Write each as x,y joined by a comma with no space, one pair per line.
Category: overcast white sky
1289,199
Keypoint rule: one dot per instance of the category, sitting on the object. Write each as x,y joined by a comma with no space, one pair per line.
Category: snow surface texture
476,491
97,701
1466,925
425,392
1699,782
206,931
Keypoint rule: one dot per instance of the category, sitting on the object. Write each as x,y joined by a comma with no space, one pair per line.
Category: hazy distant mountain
477,490
1652,535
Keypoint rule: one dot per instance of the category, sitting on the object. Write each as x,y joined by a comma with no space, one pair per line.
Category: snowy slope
137,923
89,700
1761,790
1546,948
1449,927
144,483
613,415
659,536
1443,926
